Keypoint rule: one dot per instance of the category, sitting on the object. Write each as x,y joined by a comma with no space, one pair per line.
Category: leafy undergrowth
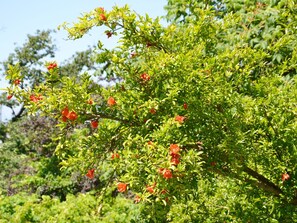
80,208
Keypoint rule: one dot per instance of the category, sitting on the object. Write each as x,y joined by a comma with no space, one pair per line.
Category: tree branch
263,182
19,114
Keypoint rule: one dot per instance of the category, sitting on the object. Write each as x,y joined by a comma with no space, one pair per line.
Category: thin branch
19,114
263,182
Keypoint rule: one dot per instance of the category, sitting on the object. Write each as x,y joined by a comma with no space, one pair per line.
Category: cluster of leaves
209,101
81,208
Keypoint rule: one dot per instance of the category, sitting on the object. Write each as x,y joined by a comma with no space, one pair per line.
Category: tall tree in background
31,57
28,139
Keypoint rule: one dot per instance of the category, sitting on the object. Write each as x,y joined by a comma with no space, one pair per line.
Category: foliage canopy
201,104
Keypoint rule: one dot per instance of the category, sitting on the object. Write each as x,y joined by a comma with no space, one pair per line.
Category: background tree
29,141
30,58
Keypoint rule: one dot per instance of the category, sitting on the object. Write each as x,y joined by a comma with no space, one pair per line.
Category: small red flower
174,148
35,98
285,176
150,143
185,105
180,119
167,174
102,17
111,101
94,124
51,66
153,111
175,155
65,112
72,116
145,77
109,34
137,199
9,96
90,102
17,82
90,173
175,161
151,189
64,119
115,156
122,187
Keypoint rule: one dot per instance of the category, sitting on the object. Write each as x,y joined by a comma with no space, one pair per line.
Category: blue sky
19,18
